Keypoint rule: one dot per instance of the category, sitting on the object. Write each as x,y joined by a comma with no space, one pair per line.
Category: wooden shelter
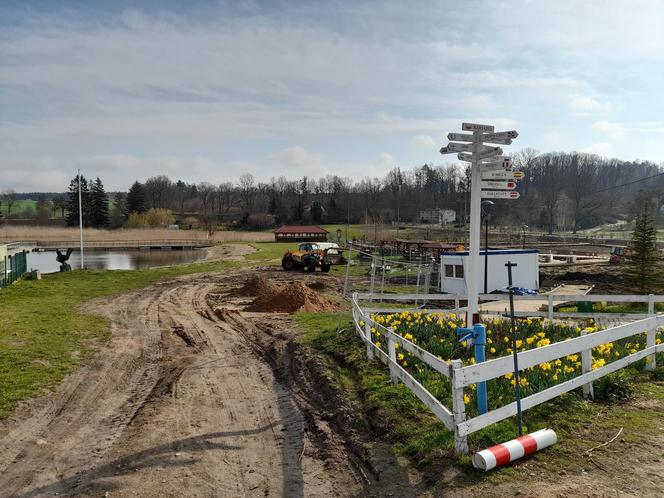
300,233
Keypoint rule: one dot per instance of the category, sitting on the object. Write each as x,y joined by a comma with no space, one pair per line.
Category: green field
45,332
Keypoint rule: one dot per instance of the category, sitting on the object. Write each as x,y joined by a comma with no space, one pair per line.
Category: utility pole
484,159
80,217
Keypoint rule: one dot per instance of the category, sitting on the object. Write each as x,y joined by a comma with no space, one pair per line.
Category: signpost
501,174
477,127
500,194
461,137
498,185
486,160
504,162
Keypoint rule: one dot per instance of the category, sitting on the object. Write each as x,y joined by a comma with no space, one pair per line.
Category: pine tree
642,272
98,205
72,202
136,199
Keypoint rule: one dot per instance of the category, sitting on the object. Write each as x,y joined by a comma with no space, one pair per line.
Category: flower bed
435,332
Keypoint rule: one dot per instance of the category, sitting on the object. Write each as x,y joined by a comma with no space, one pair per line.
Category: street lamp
523,233
486,204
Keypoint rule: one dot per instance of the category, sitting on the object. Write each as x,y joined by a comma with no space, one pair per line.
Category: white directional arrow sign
501,174
477,127
499,194
461,137
504,162
455,147
498,185
464,156
490,152
501,135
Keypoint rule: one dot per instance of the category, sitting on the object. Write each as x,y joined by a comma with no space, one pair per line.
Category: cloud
385,160
603,149
294,162
587,105
212,88
423,142
612,130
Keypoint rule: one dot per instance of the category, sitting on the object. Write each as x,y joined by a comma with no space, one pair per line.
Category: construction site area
239,377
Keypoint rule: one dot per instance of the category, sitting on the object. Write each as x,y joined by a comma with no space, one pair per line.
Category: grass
391,413
353,232
270,252
45,331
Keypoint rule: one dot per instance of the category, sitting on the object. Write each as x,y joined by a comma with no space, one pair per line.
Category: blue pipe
478,335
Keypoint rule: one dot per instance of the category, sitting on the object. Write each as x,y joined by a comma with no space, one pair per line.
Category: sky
207,91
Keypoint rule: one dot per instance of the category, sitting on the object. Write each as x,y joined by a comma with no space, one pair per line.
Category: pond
45,261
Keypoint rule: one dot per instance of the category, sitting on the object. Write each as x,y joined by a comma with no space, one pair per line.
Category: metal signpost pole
517,384
486,253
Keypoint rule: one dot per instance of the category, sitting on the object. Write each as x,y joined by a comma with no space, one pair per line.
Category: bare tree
247,194
158,189
206,193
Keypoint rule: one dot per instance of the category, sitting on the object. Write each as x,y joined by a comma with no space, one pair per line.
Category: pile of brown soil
290,298
256,285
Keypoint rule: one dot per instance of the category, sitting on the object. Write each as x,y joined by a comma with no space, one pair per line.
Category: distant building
300,233
438,216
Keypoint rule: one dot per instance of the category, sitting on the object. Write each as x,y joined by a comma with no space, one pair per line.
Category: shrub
616,386
152,218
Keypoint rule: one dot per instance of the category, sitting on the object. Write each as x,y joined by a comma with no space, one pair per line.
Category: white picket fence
462,377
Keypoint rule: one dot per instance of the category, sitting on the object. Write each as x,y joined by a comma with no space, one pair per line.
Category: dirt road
179,403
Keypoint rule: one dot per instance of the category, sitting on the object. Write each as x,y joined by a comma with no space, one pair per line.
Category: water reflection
114,260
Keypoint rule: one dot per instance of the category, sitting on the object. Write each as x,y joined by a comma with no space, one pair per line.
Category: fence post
367,336
550,308
382,282
392,350
350,256
651,360
417,290
427,282
459,411
587,366
373,276
456,305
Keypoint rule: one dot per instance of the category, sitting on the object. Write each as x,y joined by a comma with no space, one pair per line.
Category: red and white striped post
504,453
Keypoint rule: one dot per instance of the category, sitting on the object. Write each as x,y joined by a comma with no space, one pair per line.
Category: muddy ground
604,278
196,396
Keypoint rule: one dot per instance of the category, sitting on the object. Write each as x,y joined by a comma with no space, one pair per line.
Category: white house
438,216
455,270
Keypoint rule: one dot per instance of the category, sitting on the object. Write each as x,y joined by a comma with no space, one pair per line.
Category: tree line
560,191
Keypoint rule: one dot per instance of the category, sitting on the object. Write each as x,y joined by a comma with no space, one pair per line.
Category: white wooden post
651,361
456,304
587,366
459,411
550,308
392,350
367,335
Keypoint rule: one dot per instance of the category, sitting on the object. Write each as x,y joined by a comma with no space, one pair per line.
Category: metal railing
12,267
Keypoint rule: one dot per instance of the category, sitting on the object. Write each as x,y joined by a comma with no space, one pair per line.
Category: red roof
300,229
